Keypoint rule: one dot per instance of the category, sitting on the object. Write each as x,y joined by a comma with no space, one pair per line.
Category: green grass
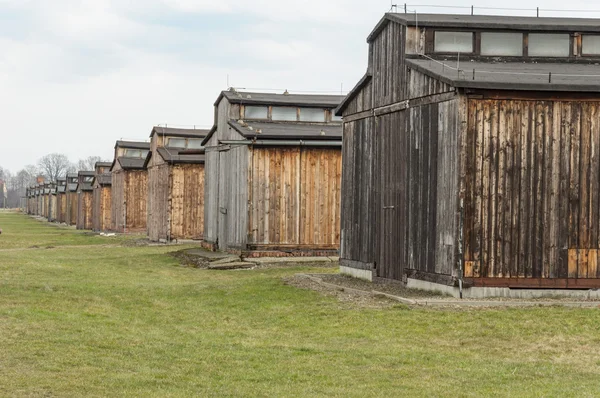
129,321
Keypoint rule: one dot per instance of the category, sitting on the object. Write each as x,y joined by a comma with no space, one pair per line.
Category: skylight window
453,42
176,142
284,113
502,44
549,45
590,45
256,112
194,143
312,115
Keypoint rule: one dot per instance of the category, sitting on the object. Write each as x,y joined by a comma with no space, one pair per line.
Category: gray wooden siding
233,198
358,193
158,198
388,67
421,85
211,196
533,189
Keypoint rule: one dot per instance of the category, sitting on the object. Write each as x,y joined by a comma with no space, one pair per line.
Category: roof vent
258,131
322,132
248,96
286,92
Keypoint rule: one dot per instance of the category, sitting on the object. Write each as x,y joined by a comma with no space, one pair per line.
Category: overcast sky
76,75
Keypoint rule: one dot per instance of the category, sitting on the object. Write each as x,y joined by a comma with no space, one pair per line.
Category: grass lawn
91,317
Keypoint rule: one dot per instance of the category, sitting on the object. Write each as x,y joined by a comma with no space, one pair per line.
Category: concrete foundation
357,273
485,292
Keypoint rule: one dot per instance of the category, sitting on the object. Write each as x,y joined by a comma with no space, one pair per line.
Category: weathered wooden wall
72,206
176,201
358,230
295,197
102,209
158,202
421,85
232,213
61,204
84,209
129,198
211,196
532,189
52,207
187,201
388,66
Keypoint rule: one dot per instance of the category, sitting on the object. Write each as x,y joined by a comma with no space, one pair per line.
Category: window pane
548,45
335,118
132,153
590,45
144,154
504,44
176,142
312,115
453,42
283,113
194,143
256,112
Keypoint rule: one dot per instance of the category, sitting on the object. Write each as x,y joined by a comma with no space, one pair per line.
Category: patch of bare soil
349,286
190,260
391,287
348,299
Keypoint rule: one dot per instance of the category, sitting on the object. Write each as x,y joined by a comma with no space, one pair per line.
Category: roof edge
352,94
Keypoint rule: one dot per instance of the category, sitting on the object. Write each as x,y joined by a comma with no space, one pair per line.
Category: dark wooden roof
513,75
309,100
466,21
359,86
174,155
177,132
131,163
71,175
288,131
104,179
132,144
102,164
86,173
85,186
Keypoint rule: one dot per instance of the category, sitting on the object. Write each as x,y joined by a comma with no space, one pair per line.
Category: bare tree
88,163
54,165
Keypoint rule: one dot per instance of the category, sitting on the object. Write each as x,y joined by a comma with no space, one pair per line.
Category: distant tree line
50,167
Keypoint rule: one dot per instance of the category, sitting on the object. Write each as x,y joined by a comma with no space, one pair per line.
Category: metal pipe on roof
283,142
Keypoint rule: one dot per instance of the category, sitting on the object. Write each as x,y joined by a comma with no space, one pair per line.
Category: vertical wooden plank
574,184
525,195
539,184
478,222
555,171
585,213
486,223
500,198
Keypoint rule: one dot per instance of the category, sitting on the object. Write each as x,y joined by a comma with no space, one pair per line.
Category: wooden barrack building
129,188
273,170
499,114
61,199
176,184
71,193
84,199
101,202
